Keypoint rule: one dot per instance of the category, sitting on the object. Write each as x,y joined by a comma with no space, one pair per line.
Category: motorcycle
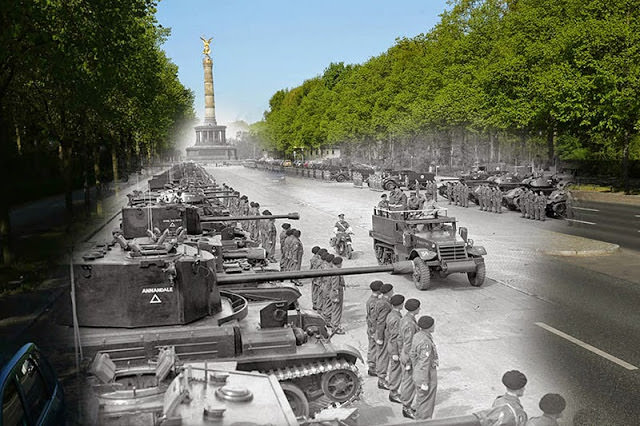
342,244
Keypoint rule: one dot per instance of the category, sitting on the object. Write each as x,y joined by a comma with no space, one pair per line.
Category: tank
132,299
137,220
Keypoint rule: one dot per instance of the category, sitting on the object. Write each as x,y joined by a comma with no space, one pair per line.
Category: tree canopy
554,77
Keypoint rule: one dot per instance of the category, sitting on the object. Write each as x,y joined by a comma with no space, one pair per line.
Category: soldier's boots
382,384
408,412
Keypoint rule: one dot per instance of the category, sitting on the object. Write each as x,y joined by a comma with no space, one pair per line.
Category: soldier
297,250
380,311
424,361
408,328
449,192
543,207
507,409
498,200
371,327
244,206
325,287
466,195
335,299
552,405
287,263
384,203
569,205
394,347
522,201
414,202
269,237
434,189
314,263
283,236
398,198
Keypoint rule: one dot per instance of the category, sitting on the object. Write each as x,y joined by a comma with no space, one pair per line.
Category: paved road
614,223
543,315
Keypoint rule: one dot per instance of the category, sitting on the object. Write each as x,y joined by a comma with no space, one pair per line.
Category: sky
260,47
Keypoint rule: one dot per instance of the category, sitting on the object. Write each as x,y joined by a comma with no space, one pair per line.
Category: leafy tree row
557,77
86,95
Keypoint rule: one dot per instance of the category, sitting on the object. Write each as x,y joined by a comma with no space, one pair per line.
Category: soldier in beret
283,236
507,409
408,328
424,362
314,263
552,405
394,347
325,286
371,327
336,298
381,309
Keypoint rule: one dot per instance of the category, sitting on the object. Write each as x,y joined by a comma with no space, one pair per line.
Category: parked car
31,393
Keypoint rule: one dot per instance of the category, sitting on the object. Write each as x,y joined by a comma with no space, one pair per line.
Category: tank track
317,368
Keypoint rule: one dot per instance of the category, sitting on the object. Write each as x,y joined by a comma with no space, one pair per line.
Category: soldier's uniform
513,414
372,352
522,201
324,287
465,195
434,189
394,347
269,240
283,236
449,192
542,421
381,309
543,207
314,263
408,328
335,299
424,361
498,200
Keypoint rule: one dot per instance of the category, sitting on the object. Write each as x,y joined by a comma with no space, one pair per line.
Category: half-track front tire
390,185
421,274
476,278
297,399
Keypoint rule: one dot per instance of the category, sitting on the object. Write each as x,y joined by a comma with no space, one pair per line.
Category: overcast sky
260,47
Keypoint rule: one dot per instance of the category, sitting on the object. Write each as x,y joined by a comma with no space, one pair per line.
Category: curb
612,248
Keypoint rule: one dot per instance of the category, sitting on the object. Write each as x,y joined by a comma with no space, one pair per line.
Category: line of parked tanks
512,185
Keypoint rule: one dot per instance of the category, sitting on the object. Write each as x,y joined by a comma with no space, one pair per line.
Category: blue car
31,393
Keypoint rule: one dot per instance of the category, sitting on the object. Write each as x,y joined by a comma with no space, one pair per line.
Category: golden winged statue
206,42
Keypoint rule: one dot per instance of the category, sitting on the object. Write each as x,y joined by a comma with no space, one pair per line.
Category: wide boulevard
571,325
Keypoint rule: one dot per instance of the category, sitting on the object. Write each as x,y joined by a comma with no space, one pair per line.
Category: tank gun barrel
212,219
469,420
404,267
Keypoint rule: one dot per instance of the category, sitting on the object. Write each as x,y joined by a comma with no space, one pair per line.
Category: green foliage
556,75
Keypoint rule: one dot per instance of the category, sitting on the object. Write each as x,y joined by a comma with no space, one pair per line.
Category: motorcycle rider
342,226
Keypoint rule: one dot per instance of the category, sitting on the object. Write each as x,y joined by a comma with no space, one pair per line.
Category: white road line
587,209
587,346
582,221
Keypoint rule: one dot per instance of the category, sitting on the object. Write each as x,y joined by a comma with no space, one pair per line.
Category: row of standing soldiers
458,194
489,198
401,351
532,205
327,293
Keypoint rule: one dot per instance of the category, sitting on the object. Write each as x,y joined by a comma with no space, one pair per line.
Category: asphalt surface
614,223
570,329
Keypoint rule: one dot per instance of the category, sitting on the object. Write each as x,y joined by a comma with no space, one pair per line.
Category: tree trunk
66,150
5,200
551,136
114,166
491,136
625,163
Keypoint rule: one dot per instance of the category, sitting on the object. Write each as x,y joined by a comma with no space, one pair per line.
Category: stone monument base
212,153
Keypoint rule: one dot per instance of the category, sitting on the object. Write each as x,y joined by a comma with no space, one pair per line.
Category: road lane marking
587,209
582,221
587,346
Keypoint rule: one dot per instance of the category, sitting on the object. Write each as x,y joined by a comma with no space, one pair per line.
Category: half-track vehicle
430,239
130,298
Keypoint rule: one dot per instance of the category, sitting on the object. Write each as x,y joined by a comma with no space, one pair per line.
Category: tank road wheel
560,210
421,274
476,278
340,178
340,385
297,400
390,185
